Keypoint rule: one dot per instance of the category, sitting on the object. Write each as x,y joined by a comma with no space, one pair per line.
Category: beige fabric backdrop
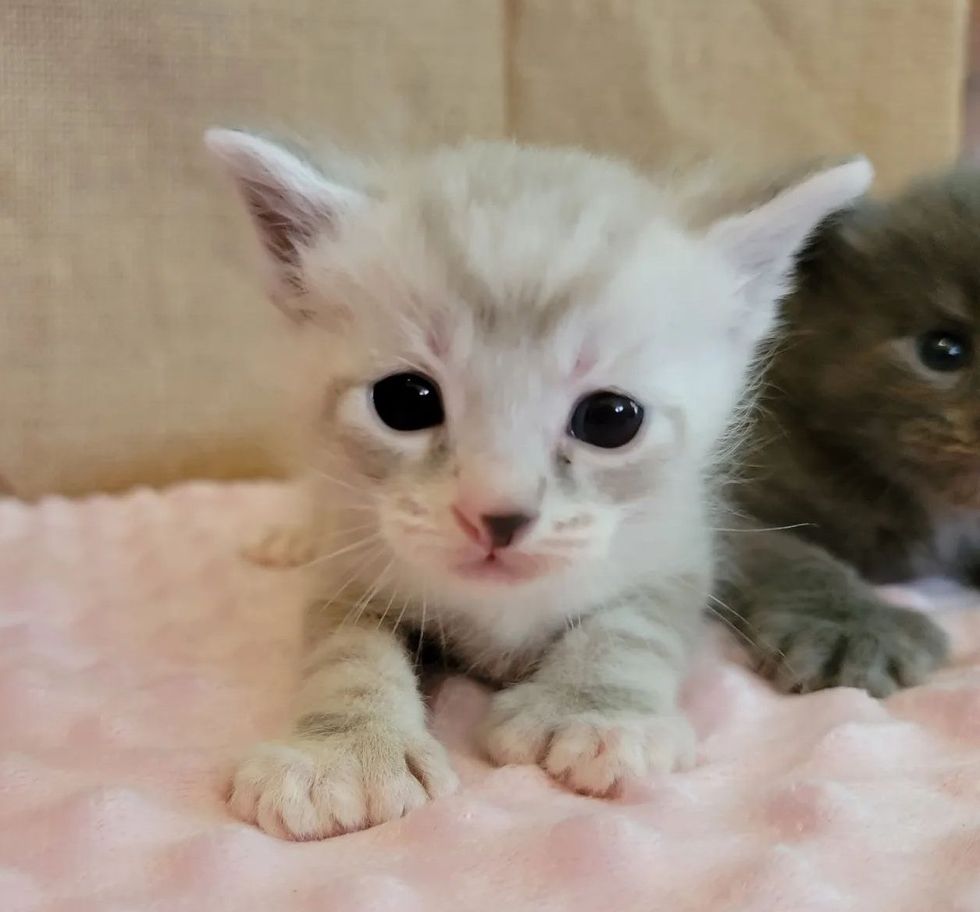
133,343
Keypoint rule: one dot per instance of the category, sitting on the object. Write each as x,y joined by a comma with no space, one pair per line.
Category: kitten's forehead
523,239
922,250
506,269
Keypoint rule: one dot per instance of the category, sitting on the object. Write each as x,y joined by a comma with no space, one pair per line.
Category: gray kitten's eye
945,351
606,419
408,402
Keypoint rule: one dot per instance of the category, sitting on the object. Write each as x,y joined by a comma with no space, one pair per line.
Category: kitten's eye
940,350
606,419
408,402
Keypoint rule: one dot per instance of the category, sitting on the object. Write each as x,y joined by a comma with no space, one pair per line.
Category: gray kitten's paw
872,646
313,788
590,752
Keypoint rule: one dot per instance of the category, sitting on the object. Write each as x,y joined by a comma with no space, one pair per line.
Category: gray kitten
510,437
868,443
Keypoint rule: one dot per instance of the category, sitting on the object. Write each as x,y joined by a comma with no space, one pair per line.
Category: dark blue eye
606,419
408,402
944,351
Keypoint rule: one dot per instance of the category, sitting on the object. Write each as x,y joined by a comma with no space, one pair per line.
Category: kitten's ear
763,243
292,205
841,241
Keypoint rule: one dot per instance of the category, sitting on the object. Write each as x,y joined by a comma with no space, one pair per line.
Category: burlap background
133,343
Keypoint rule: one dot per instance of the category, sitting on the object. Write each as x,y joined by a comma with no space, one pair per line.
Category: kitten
869,436
521,364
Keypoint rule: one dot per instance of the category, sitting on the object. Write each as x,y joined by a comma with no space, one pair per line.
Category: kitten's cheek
398,538
599,544
414,543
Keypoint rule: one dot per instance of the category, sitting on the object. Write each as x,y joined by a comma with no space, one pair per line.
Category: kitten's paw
875,647
281,547
313,788
591,752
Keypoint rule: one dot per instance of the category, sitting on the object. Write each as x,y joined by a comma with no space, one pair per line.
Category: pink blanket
139,652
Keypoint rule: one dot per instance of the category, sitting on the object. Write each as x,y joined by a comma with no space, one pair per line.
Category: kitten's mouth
495,567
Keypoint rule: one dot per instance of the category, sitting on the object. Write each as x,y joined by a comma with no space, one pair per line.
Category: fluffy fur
518,280
870,453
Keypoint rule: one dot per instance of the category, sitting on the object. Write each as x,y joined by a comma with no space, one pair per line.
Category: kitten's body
876,454
528,312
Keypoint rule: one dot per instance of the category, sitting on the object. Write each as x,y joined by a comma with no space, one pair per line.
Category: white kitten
522,363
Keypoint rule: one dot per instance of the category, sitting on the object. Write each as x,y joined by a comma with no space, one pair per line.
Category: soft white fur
400,271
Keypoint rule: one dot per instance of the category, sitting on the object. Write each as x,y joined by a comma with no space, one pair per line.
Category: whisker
421,530
802,525
442,632
341,531
754,643
418,648
373,555
401,614
736,629
731,625
354,508
339,482
360,543
336,481
362,603
391,600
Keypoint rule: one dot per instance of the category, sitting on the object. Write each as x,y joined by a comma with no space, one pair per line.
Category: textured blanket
139,652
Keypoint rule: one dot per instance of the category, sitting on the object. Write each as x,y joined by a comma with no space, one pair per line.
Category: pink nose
493,530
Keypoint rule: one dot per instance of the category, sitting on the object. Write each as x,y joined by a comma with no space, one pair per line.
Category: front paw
307,788
280,548
871,646
592,752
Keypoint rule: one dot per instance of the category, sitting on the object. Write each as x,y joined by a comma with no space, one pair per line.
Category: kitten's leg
359,754
601,706
813,622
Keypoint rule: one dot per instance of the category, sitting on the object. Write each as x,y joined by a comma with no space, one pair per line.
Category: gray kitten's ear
292,205
843,240
763,243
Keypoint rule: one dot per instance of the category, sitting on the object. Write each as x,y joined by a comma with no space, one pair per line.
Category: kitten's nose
503,528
